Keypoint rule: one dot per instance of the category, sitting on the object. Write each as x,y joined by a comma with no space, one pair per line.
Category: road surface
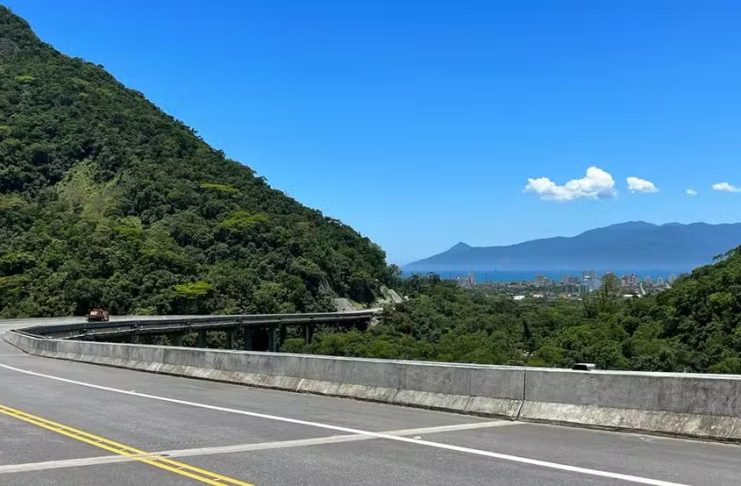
73,423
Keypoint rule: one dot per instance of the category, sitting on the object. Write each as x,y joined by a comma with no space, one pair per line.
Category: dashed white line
379,435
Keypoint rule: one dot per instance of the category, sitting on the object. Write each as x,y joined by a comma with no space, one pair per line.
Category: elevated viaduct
257,332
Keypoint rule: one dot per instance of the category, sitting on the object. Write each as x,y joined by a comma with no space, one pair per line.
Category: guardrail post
202,338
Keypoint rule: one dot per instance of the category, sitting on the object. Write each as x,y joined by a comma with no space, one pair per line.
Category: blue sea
526,276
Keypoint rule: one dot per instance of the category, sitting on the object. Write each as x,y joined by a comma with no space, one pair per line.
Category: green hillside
106,200
694,326
702,312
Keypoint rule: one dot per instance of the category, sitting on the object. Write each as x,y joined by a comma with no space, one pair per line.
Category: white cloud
691,192
636,184
725,187
597,184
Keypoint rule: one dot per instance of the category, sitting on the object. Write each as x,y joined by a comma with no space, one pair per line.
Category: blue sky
422,124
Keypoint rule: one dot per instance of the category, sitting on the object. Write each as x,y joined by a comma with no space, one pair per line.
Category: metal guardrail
176,324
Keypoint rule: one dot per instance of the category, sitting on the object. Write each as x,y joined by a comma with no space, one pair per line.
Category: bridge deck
118,326
263,436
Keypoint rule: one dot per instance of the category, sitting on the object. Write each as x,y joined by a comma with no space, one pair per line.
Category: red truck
97,315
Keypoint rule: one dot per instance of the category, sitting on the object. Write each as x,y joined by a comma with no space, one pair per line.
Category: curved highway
72,423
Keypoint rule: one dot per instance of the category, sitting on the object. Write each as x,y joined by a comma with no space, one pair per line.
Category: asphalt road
187,431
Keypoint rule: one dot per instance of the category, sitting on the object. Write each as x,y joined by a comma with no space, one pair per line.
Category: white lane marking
454,428
260,446
379,435
333,439
66,463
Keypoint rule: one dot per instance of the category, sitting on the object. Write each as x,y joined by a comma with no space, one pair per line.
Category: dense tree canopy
694,326
107,201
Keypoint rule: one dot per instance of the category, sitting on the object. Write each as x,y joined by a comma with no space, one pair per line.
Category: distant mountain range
635,245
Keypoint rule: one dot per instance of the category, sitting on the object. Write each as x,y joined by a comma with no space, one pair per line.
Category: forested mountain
628,246
694,326
107,201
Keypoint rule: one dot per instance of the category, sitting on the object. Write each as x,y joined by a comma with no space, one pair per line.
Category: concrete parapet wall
671,403
707,406
460,388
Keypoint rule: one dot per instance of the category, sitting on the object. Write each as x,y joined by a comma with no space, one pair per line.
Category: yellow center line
162,462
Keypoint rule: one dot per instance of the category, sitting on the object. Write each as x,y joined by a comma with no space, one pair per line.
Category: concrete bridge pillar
229,344
272,342
308,332
247,338
176,339
282,335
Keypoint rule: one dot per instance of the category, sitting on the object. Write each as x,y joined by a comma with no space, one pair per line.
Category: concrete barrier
670,403
704,406
487,390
